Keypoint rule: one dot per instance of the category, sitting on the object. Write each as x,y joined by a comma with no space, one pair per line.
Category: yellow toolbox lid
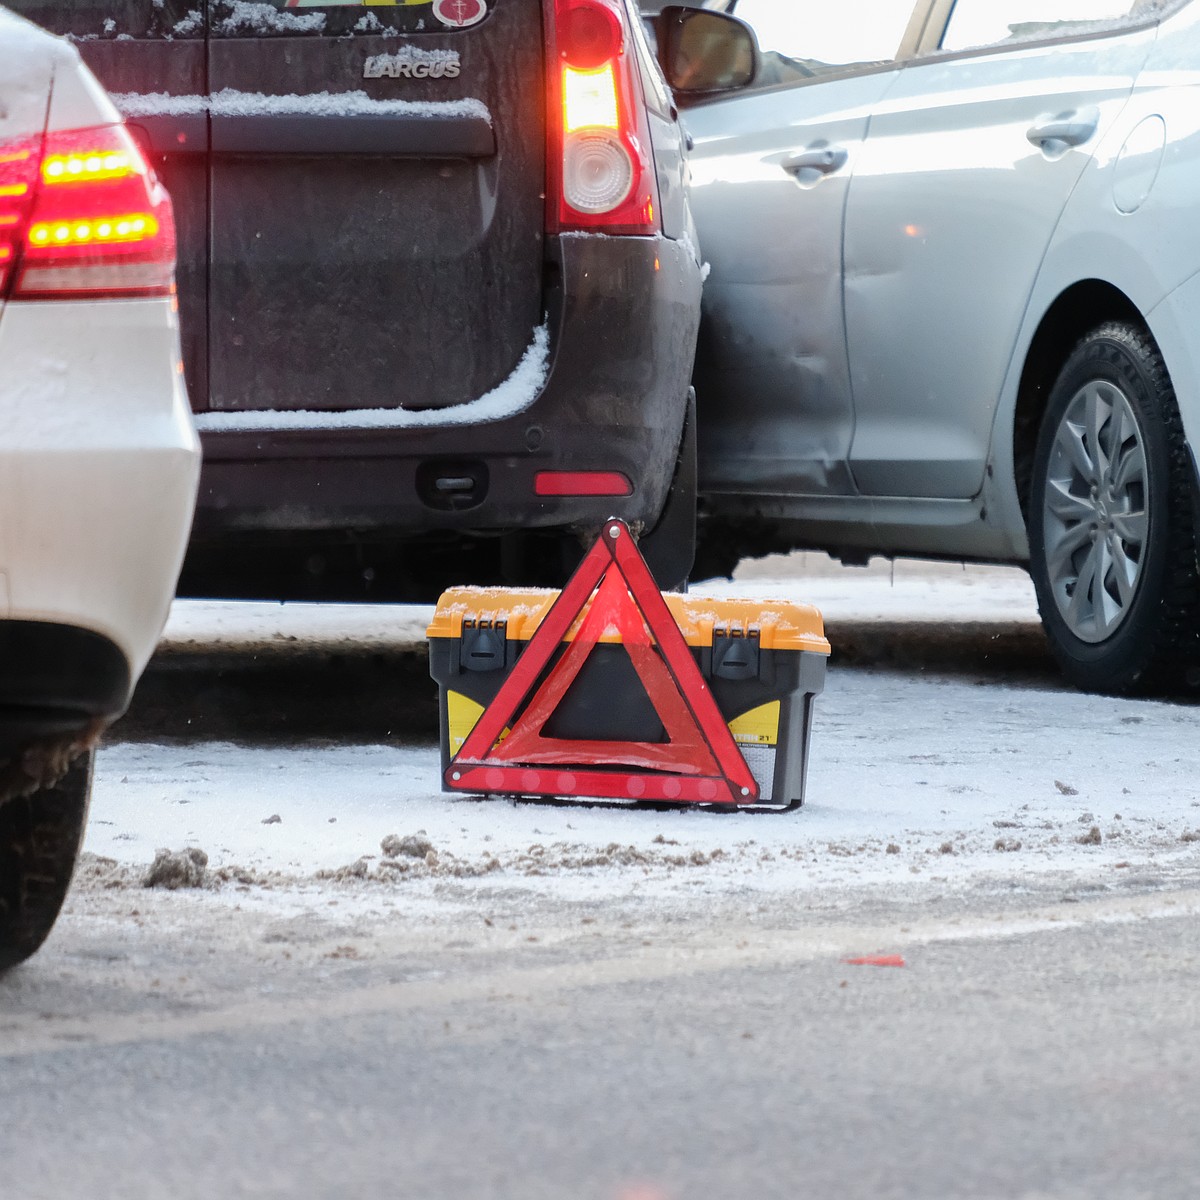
778,624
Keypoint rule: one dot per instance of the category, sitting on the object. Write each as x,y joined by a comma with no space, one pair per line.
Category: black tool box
763,660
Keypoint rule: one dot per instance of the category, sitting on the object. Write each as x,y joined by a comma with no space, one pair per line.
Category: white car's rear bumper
98,469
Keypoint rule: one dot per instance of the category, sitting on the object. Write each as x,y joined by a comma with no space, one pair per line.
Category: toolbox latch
482,647
734,655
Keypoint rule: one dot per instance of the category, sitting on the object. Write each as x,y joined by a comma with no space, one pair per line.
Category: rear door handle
1067,129
823,159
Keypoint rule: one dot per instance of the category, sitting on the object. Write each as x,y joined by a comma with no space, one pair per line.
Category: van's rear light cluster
599,162
82,215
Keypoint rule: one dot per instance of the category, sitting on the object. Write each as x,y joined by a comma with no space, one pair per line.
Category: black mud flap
670,547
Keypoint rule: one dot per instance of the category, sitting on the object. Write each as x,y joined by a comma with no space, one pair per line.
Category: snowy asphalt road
1040,1046
616,1003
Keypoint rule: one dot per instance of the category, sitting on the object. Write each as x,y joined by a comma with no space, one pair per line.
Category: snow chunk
518,391
177,869
266,18
192,23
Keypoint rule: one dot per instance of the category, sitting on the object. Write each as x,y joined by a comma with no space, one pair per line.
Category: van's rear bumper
622,314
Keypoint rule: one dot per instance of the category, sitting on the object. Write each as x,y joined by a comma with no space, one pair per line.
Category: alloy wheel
1095,511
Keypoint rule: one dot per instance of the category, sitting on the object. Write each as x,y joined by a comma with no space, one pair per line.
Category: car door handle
1067,129
824,159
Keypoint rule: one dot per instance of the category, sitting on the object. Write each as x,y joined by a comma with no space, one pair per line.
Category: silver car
954,302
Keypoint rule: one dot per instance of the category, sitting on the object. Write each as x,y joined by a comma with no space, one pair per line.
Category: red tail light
18,179
82,215
599,162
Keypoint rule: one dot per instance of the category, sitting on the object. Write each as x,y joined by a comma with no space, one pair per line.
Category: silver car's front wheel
1112,548
1094,517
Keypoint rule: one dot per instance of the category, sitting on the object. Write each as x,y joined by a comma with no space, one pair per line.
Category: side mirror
702,51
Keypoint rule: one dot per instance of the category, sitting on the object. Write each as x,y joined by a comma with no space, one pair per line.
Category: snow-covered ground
915,774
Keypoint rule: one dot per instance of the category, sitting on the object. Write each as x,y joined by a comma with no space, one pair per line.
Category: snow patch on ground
913,779
895,790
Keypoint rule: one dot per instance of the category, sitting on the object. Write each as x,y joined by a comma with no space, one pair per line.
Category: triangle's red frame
700,763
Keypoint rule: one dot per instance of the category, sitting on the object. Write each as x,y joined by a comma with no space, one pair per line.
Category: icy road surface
289,741
966,969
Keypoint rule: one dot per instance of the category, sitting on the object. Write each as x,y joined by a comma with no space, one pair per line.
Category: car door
150,56
962,178
377,201
770,169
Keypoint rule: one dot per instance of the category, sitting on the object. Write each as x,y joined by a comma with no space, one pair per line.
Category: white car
98,457
955,297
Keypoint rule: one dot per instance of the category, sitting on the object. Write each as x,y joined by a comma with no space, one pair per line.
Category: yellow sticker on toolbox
758,727
462,715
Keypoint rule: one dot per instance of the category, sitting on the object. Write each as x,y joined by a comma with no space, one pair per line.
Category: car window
84,20
802,40
975,23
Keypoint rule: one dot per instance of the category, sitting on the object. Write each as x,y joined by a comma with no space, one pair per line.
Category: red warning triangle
699,762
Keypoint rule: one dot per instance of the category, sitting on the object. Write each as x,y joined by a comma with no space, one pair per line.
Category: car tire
1111,535
40,836
670,547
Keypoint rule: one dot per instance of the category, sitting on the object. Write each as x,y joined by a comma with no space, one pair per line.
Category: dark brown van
437,280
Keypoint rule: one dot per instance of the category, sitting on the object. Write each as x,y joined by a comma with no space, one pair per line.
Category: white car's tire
40,836
1112,546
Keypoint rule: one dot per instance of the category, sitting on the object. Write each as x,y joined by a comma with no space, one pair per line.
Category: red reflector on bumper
581,483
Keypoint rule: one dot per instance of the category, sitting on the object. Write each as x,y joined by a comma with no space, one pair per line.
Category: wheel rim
1095,511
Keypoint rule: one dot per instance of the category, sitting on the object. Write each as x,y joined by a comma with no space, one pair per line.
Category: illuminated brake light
132,227
18,174
82,215
590,99
87,167
601,173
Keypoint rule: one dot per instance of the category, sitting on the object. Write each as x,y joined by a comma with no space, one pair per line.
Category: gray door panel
769,181
962,179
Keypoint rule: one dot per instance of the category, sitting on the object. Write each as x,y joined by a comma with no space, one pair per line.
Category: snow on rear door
376,190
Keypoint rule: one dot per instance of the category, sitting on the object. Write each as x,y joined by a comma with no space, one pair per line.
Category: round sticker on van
459,13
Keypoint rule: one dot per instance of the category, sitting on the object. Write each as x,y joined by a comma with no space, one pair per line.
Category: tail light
599,162
82,215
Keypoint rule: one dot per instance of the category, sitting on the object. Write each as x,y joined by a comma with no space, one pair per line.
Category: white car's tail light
83,215
18,177
601,174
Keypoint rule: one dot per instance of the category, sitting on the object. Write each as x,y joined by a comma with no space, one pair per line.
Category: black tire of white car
40,836
1112,544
